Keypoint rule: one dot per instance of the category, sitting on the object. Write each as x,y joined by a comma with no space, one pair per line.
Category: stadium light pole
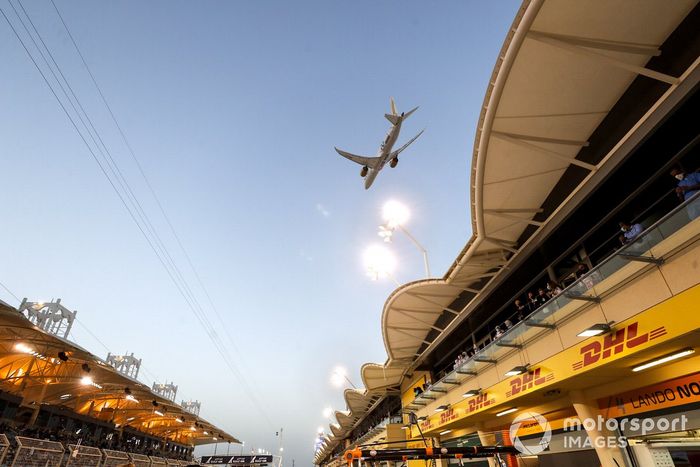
242,444
395,215
339,376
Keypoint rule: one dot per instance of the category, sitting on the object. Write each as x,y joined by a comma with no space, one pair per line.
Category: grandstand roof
562,68
30,368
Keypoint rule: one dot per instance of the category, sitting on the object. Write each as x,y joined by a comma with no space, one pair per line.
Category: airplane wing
362,160
398,151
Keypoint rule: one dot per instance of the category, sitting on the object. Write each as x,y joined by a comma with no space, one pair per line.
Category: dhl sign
479,402
528,381
447,416
616,343
667,320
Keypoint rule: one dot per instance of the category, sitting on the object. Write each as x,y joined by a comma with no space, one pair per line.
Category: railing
37,453
114,458
560,307
33,452
83,456
140,460
4,447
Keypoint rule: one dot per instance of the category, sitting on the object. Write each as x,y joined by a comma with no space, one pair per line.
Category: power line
158,247
10,292
145,178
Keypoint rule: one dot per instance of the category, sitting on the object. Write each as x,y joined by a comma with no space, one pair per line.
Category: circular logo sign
531,446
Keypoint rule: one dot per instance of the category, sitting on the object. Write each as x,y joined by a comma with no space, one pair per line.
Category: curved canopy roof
562,68
30,368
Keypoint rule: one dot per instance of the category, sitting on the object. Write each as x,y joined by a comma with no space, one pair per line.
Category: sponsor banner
559,420
236,460
665,321
673,393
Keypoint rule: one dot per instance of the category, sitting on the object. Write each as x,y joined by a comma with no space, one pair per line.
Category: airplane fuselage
384,153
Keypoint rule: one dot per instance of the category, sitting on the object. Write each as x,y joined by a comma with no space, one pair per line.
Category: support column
37,407
486,439
587,410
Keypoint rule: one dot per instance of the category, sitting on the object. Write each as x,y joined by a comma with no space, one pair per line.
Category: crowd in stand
688,186
523,307
85,437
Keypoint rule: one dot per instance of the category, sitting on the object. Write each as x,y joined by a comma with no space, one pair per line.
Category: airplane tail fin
393,107
394,118
407,114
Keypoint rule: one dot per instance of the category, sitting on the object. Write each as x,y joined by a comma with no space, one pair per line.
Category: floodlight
395,213
379,262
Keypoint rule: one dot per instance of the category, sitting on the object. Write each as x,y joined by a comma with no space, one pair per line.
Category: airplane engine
394,162
363,172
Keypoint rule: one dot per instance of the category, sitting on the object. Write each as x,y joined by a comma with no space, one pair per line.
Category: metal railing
4,447
560,307
83,456
32,452
37,453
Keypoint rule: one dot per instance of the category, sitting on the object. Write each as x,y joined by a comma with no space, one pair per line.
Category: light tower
52,317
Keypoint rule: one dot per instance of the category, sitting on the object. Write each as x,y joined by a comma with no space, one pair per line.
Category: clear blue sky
233,109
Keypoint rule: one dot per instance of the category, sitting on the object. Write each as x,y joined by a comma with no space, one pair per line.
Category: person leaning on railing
629,232
688,185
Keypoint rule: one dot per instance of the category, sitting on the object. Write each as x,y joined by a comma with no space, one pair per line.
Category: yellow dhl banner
673,393
667,320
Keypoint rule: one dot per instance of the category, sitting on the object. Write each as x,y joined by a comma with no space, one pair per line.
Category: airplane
371,166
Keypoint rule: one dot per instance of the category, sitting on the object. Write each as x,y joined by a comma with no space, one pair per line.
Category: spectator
499,333
417,391
520,309
688,185
629,232
508,324
532,302
581,270
553,289
542,297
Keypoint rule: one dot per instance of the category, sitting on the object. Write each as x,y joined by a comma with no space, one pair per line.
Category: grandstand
590,107
62,405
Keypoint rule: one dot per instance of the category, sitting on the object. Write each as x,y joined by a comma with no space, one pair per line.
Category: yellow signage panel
673,393
668,320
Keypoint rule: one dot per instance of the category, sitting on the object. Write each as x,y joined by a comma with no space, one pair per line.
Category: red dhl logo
479,402
615,343
447,415
527,381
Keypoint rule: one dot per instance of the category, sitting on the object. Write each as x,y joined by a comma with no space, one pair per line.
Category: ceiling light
158,412
206,433
23,348
472,393
215,439
595,330
661,360
65,396
406,427
445,432
518,370
131,398
130,419
179,420
441,408
506,412
86,381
